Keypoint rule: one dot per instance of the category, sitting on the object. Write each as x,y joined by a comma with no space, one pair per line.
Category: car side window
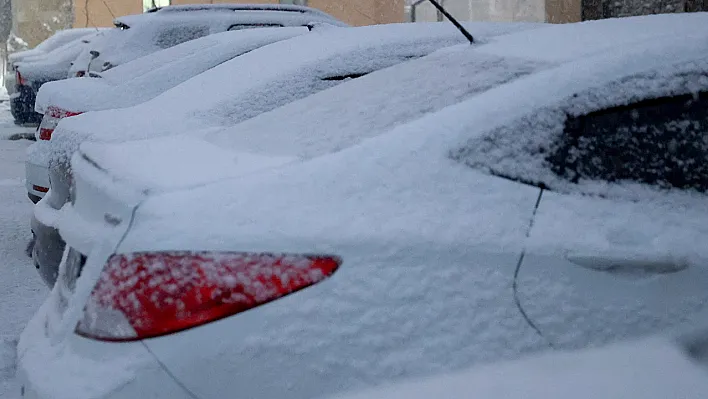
661,142
175,35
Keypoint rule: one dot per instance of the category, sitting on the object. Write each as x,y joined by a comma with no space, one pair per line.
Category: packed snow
656,368
21,289
142,79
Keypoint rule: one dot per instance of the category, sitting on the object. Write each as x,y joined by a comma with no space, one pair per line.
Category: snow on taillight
145,295
51,119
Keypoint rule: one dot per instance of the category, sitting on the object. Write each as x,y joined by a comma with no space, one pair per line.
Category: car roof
144,78
288,8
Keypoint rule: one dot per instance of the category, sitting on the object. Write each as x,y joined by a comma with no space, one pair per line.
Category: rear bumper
80,368
36,175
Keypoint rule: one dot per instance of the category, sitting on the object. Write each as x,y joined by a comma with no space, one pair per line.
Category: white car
656,368
139,35
239,89
32,72
134,83
59,38
460,238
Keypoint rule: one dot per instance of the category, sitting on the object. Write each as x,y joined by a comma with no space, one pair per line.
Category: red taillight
58,113
80,74
40,188
51,119
45,134
146,295
20,80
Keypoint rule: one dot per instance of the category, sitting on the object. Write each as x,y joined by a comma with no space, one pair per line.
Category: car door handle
628,264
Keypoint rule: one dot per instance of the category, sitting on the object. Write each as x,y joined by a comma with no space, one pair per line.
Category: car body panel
654,368
633,271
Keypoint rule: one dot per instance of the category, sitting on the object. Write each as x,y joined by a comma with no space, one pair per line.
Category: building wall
359,12
98,13
35,20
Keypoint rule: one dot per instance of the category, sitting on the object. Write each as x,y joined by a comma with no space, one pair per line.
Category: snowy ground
21,289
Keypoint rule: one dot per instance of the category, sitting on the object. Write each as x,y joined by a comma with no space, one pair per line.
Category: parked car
495,227
32,72
58,39
251,84
133,83
139,35
656,368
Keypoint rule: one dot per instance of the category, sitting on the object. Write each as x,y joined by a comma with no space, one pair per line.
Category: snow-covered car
234,91
133,83
32,72
58,39
656,368
139,35
498,226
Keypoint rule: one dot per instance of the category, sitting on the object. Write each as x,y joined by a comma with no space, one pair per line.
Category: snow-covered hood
174,162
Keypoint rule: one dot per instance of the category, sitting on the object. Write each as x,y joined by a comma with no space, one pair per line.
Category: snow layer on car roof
406,179
265,79
142,79
343,115
568,41
59,38
247,7
655,368
54,64
147,31
328,121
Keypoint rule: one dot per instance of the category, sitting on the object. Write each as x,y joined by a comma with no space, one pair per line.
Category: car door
629,264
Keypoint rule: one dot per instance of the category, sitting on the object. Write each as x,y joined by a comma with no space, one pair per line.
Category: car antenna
109,9
452,19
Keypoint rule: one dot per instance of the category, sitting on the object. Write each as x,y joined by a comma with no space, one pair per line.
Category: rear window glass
662,142
175,35
628,138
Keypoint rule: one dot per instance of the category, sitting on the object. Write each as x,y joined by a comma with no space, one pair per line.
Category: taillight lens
20,80
145,295
80,74
51,119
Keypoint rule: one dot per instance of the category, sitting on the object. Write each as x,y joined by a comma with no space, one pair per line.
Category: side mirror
94,54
